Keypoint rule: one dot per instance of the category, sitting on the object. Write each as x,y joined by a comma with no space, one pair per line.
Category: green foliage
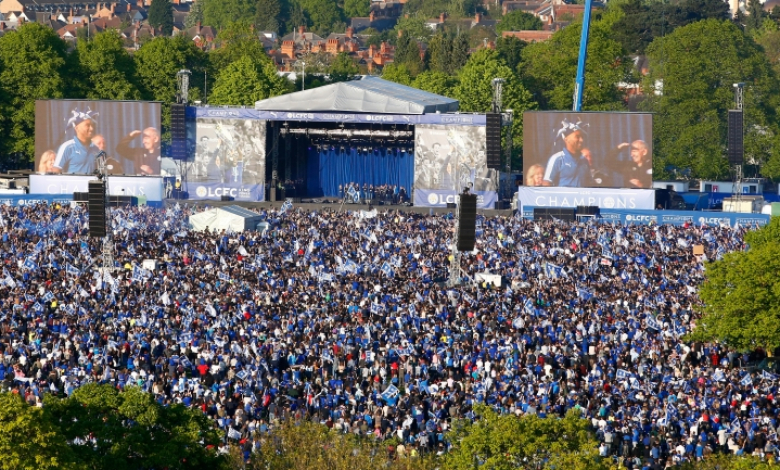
742,296
342,68
408,54
460,53
549,69
267,14
235,41
413,27
755,15
436,82
324,16
161,16
397,73
245,81
510,50
195,16
220,13
108,71
518,20
28,441
697,66
357,8
438,53
33,65
504,442
432,8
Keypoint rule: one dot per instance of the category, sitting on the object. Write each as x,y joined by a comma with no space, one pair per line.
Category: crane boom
579,84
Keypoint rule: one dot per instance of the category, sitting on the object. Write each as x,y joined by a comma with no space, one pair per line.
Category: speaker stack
178,132
551,213
493,140
467,222
587,211
96,208
736,137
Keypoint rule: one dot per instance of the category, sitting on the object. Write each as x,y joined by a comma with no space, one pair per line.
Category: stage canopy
367,95
225,218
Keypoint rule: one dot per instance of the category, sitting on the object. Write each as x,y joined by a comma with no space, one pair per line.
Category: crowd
386,193
345,318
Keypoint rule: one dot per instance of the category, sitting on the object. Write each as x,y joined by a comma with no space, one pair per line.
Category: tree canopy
518,20
161,16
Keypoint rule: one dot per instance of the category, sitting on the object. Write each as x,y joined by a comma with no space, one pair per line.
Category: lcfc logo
432,199
201,191
609,203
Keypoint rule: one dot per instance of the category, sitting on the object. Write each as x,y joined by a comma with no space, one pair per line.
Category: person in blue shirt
78,155
569,167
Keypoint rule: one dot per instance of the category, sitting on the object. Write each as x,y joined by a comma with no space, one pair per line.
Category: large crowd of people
346,318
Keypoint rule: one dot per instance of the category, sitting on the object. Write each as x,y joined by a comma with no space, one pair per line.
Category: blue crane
579,84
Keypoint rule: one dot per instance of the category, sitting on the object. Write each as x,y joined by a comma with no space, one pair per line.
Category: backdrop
329,167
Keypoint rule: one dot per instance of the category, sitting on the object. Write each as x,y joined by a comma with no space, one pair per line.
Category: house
529,35
202,36
480,20
301,41
374,21
528,6
435,23
347,42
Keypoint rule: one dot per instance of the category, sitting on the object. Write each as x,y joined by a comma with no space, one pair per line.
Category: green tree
436,82
504,442
397,73
195,16
413,27
107,70
28,441
357,8
510,50
407,53
267,13
33,65
245,81
460,53
741,294
549,68
220,13
518,20
342,68
696,67
438,53
324,15
161,16
235,41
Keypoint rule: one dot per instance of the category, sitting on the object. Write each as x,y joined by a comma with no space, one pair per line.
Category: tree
436,82
245,81
510,50
220,13
324,15
357,8
460,53
413,27
549,68
235,41
33,65
438,53
741,294
407,53
27,440
397,73
161,16
518,20
195,16
756,15
499,442
107,70
690,126
267,13
342,68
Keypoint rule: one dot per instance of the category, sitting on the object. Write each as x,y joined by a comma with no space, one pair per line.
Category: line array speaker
588,210
467,222
96,208
493,143
736,137
550,213
178,132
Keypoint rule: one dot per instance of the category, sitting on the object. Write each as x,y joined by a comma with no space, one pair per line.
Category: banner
626,217
32,199
437,198
215,191
448,159
605,198
149,187
442,119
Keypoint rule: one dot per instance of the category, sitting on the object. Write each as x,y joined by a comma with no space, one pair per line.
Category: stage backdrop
446,160
329,167
592,150
228,158
128,131
605,198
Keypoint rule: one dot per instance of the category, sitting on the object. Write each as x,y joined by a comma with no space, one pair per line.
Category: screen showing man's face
150,139
85,130
574,143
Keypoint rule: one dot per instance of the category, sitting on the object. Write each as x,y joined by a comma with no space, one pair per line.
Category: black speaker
493,141
467,222
178,132
451,205
567,213
588,210
736,137
96,208
81,197
225,198
120,201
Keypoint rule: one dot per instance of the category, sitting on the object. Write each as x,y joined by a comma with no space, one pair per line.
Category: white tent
234,218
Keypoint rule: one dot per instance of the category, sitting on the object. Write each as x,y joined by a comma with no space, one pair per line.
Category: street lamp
303,74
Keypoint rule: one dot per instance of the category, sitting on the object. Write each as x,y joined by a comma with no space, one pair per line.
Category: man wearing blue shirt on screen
569,167
78,155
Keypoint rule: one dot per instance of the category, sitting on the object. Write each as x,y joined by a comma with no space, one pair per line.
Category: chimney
128,7
301,30
478,18
549,20
442,17
371,17
2,25
383,48
371,51
350,32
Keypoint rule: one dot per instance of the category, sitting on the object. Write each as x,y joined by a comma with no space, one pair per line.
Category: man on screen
113,166
146,157
569,167
77,154
639,172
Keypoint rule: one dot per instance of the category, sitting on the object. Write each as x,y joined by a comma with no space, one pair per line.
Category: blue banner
605,198
32,199
240,113
239,192
150,187
730,219
440,198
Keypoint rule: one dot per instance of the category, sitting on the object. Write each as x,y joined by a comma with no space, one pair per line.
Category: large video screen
448,159
70,134
588,150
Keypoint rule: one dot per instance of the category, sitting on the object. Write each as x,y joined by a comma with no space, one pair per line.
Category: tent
225,218
367,95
